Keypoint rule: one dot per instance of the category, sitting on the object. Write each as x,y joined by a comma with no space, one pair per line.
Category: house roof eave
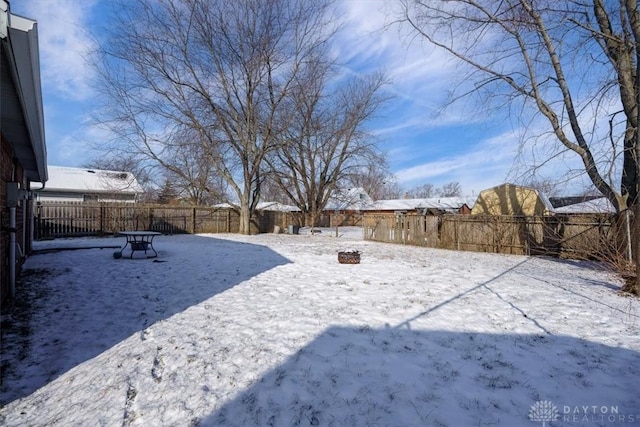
22,108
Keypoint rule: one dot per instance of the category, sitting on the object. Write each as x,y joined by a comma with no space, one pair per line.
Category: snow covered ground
272,330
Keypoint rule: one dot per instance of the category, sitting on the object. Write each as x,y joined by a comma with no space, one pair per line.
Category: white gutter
20,37
4,19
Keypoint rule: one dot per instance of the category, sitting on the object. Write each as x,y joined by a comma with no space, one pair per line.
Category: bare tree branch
223,70
574,63
325,143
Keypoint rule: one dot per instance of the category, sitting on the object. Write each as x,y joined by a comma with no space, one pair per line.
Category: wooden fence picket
70,219
570,236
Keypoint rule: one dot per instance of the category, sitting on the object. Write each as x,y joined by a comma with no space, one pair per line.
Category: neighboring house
262,206
352,202
601,205
276,206
344,208
89,185
510,199
428,206
348,200
23,154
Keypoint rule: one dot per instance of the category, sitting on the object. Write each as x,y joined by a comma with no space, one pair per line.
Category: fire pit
349,257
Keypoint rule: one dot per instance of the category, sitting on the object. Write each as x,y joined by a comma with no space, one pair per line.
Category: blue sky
424,144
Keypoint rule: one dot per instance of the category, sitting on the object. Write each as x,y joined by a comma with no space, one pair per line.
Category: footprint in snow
158,366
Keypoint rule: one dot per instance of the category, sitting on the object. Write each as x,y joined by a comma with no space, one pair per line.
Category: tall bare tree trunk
635,247
549,39
245,220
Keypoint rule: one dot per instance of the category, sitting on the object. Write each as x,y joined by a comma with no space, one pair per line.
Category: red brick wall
6,165
7,168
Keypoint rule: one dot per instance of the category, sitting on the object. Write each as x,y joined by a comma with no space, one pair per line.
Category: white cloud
64,43
418,72
71,149
485,165
421,78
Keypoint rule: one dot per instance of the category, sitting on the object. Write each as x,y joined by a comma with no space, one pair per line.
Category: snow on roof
224,205
443,203
91,180
262,206
545,199
276,206
349,199
358,199
600,205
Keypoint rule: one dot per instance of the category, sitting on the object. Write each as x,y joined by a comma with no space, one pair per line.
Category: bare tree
325,142
190,164
423,191
545,186
222,69
167,193
272,192
573,63
392,189
451,189
375,178
197,187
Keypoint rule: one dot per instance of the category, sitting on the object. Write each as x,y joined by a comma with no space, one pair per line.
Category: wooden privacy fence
569,236
63,219
74,219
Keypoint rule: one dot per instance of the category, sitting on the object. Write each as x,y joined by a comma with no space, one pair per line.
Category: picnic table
138,241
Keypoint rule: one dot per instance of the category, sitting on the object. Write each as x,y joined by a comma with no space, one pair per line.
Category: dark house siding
10,171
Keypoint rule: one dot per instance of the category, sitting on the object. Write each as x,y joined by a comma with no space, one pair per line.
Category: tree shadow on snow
400,376
87,302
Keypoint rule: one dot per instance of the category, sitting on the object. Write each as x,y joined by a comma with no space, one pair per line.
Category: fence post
403,226
494,226
455,234
101,219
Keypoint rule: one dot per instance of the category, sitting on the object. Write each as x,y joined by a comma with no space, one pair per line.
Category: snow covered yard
272,330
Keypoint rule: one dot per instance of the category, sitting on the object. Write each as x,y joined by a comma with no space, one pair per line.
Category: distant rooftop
70,179
352,199
599,205
441,203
